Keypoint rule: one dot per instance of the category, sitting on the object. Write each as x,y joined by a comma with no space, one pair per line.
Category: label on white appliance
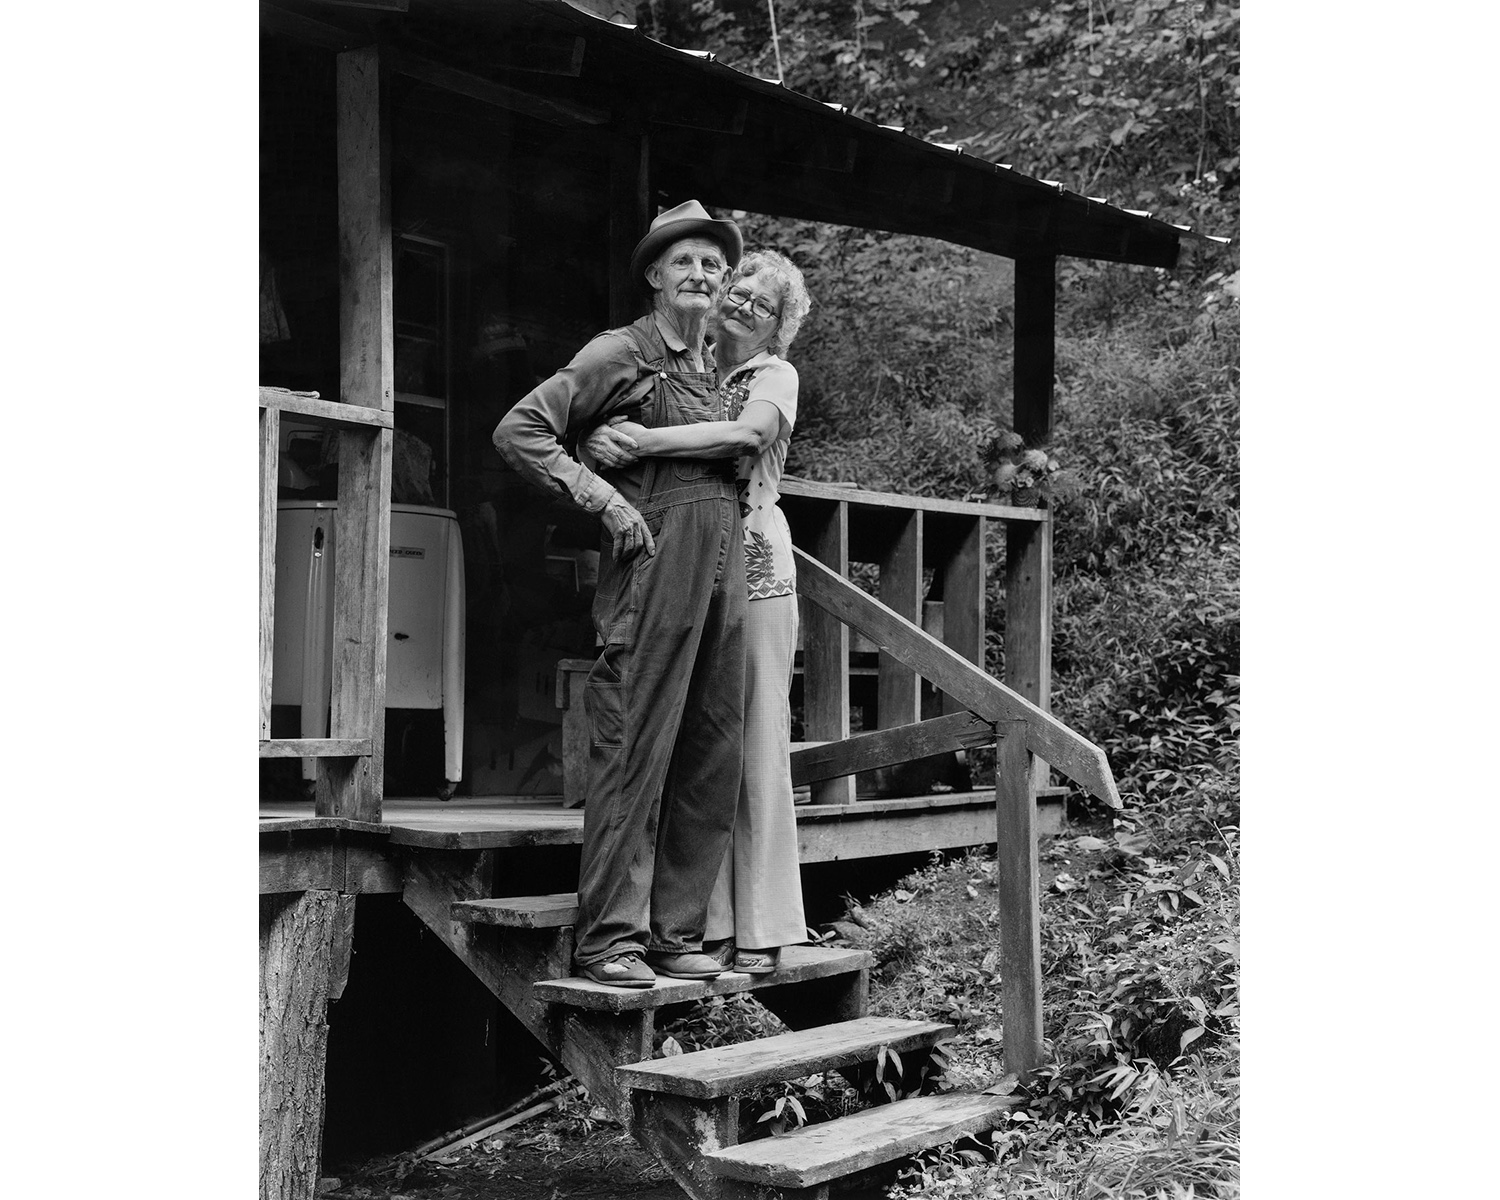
408,552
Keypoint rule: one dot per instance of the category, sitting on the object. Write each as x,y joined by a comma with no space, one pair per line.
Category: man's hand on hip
628,529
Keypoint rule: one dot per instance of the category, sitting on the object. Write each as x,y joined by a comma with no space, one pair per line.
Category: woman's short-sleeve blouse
769,566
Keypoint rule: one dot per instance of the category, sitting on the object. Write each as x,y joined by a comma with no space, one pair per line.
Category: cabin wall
501,255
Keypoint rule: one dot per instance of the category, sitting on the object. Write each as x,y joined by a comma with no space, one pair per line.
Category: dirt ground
541,1160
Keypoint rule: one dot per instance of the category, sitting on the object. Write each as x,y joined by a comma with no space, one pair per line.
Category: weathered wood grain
330,414
886,747
726,1070
679,1131
825,652
898,689
270,436
963,576
352,787
1028,619
818,1153
1076,757
301,937
352,862
1017,881
521,912
807,489
315,747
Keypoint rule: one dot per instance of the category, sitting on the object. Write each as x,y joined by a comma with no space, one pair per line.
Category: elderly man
664,699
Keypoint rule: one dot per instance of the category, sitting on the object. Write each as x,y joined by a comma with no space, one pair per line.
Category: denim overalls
665,699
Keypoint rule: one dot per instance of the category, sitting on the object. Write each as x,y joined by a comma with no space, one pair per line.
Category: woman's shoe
722,952
757,962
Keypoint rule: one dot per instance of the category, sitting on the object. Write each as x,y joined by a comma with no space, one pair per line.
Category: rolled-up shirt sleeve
531,437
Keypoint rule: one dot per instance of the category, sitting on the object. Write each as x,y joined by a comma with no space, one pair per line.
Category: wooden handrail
330,413
989,699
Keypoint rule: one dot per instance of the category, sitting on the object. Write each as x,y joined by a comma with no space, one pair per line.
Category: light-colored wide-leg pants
757,899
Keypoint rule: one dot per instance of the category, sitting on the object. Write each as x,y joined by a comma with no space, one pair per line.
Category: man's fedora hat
687,220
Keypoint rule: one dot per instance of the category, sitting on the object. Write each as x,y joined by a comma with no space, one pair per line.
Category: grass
1139,1099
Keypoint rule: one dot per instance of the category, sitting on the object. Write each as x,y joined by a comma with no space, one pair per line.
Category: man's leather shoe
623,970
688,965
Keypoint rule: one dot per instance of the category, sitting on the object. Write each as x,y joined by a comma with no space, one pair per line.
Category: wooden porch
464,145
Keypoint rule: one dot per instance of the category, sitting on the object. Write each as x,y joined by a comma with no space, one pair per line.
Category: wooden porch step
727,1070
816,1154
798,964
553,911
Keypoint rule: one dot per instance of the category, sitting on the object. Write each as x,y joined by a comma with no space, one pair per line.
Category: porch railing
993,714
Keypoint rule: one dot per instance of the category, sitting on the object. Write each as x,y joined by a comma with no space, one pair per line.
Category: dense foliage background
906,369
905,362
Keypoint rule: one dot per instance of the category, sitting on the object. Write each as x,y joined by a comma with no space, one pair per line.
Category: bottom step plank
818,1153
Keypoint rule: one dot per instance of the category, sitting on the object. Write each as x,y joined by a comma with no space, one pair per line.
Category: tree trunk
304,955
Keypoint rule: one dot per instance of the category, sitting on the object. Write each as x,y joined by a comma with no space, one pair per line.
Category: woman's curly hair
795,302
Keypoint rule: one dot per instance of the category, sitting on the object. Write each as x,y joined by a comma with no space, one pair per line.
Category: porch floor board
499,822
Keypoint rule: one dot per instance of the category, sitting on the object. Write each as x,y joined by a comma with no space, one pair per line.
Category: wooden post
304,961
898,687
270,438
963,601
825,654
1035,346
1028,545
1020,901
352,787
629,217
1028,616
901,590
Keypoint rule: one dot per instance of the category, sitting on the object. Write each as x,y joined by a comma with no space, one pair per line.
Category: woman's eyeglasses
739,297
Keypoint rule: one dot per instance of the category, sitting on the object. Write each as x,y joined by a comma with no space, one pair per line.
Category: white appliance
424,625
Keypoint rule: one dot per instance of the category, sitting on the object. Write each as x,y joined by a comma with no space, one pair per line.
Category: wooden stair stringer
685,1111
589,1043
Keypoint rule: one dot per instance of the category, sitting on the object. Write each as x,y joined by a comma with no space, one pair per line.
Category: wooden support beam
722,115
899,690
630,214
1035,350
1028,617
300,28
963,585
270,437
352,787
304,961
316,747
1075,756
507,962
887,747
563,113
330,414
1016,877
1028,584
679,1131
351,862
542,53
825,653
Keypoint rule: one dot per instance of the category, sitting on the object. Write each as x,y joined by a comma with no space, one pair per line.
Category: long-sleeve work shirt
531,436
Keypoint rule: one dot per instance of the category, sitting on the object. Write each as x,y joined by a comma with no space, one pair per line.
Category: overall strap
650,355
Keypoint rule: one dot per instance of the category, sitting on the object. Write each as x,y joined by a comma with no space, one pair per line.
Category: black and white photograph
749,599
745,528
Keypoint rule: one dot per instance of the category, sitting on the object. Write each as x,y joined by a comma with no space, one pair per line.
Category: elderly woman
756,906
